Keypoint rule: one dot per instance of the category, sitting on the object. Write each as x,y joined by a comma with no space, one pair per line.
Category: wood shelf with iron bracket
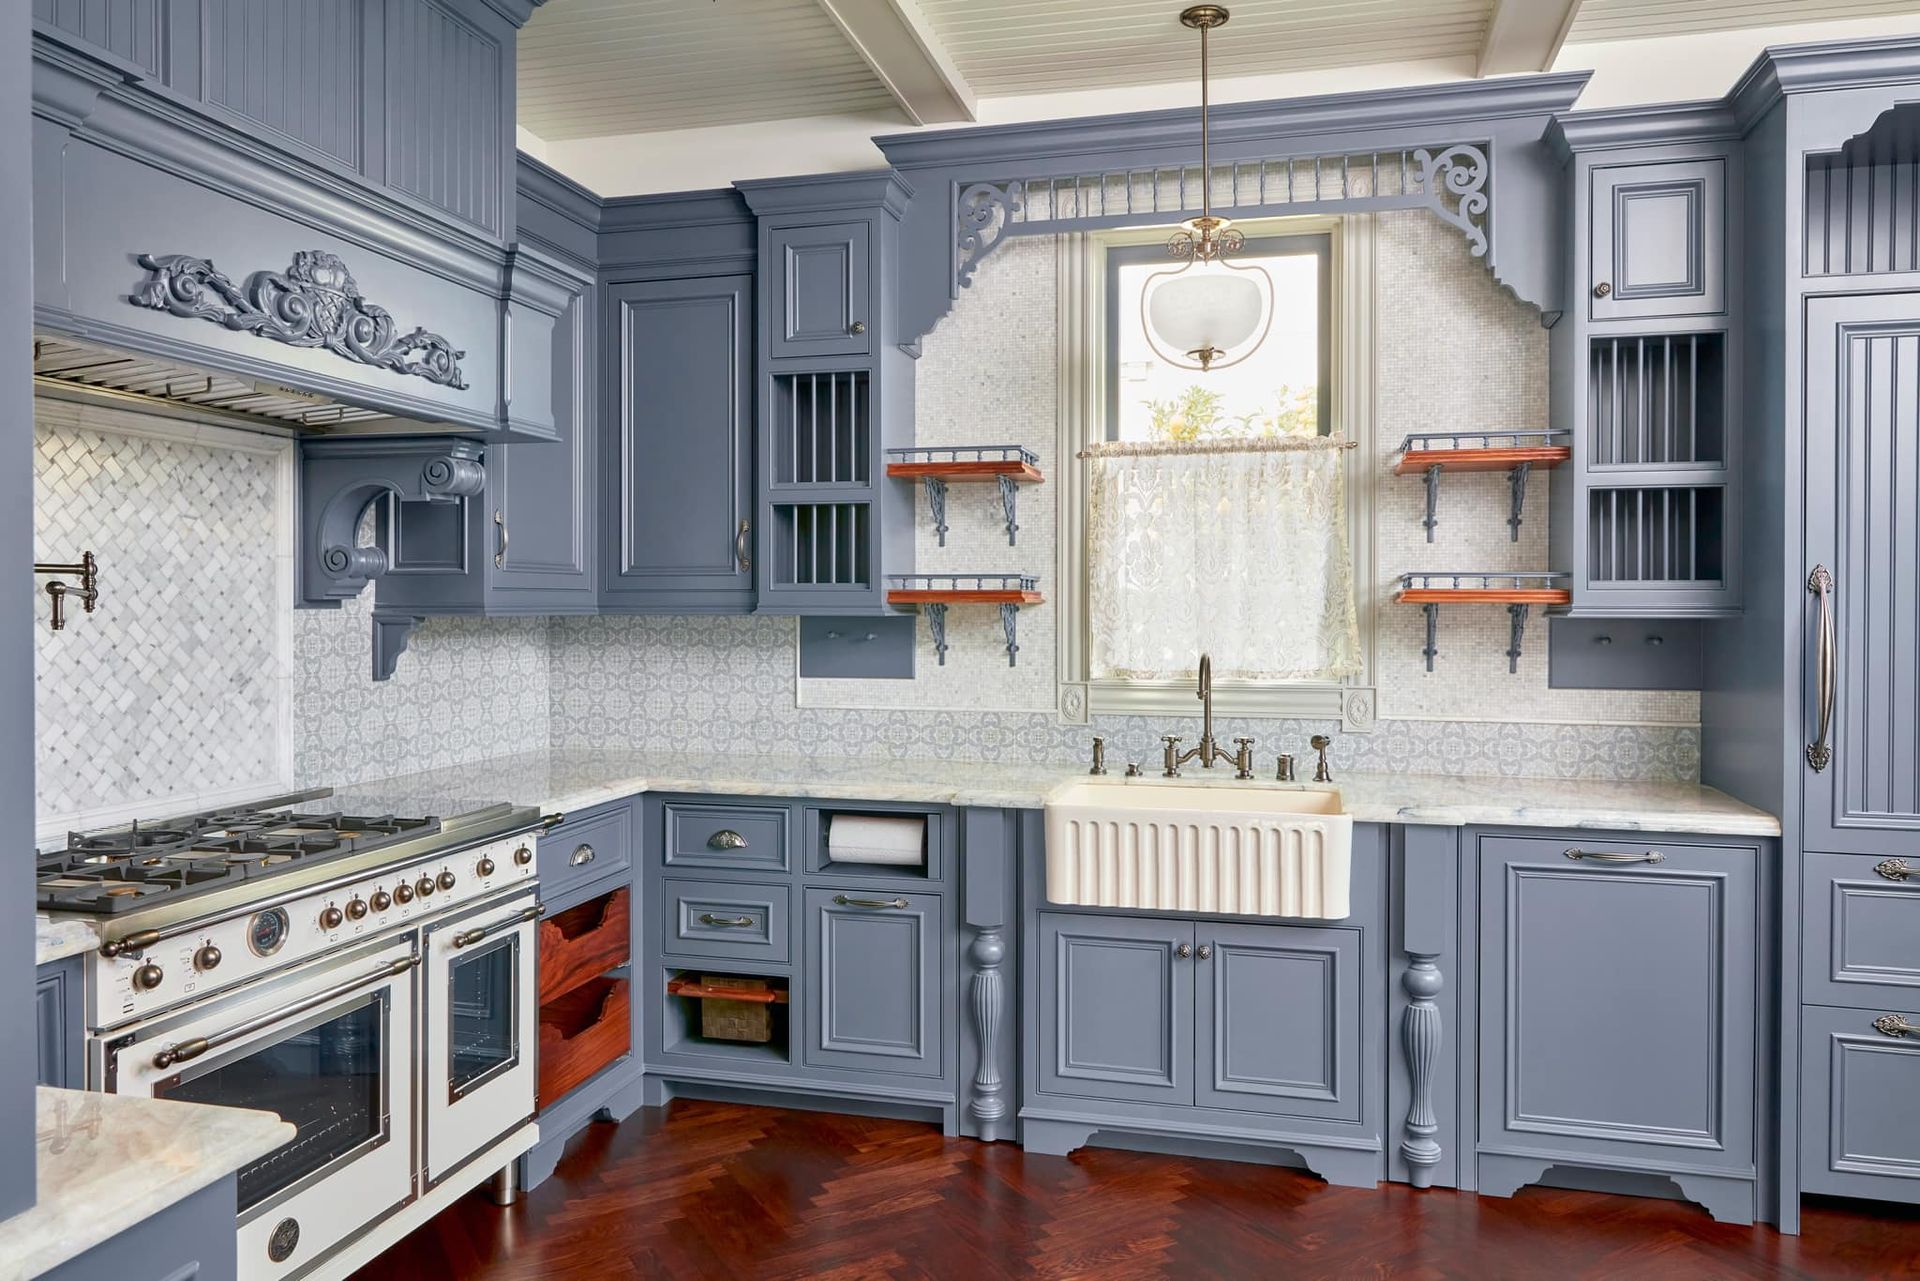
937,466
1430,453
933,593
1519,592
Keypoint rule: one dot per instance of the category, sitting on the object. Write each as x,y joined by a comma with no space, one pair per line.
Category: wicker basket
723,1020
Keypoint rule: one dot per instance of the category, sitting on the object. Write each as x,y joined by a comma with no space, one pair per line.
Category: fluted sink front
1177,847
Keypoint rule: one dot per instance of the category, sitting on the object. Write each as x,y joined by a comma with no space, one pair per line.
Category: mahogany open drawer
584,942
581,1033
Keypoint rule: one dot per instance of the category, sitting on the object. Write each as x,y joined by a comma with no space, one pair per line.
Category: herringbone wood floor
708,1190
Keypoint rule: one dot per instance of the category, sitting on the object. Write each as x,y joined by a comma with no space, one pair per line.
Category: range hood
65,364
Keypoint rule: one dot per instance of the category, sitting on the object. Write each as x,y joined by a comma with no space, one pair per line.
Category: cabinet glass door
482,1024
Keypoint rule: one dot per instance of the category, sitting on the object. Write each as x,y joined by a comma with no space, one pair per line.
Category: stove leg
504,1187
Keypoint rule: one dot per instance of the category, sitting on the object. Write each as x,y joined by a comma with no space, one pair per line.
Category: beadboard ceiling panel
1043,46
593,68
1645,19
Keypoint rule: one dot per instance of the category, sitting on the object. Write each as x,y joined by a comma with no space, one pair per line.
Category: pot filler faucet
1208,751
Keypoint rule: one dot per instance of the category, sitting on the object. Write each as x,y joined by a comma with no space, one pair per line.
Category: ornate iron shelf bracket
1433,501
1517,615
1010,503
1010,624
936,490
1432,650
937,627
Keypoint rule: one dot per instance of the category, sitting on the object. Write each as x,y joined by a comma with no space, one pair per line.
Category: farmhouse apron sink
1200,847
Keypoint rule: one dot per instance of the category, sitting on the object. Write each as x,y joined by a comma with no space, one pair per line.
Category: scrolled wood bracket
341,478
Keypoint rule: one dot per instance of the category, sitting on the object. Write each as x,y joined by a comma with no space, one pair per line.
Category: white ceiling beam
1525,35
899,44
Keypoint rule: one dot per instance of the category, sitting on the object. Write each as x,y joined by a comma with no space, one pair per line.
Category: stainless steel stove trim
191,1050
509,944
170,919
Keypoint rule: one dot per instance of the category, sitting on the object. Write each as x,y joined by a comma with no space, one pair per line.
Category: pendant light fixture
1211,311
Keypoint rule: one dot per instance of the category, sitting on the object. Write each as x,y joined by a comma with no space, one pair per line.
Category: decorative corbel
340,478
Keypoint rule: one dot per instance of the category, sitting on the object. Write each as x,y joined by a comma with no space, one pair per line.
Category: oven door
480,1021
327,1046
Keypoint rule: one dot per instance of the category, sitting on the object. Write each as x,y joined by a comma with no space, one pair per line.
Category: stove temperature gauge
267,931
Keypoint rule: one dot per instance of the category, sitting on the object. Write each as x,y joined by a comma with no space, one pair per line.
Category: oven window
481,1036
324,1078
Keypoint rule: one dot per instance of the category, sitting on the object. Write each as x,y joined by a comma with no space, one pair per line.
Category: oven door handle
468,938
187,1051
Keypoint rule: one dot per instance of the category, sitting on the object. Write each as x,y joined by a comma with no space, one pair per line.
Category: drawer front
1859,1128
1863,930
581,1034
585,848
725,919
583,942
732,837
1618,1005
873,980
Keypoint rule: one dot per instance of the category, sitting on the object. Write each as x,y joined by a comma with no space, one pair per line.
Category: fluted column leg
1421,1035
989,1103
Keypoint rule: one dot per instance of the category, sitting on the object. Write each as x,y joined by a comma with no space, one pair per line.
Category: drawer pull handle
1895,1025
1893,869
726,839
844,901
730,922
1613,856
1826,664
581,854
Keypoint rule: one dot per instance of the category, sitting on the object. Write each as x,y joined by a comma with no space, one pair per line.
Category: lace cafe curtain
1235,548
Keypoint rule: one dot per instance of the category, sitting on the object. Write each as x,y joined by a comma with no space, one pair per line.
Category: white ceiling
608,68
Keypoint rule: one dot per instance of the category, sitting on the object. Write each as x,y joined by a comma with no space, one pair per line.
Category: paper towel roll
861,838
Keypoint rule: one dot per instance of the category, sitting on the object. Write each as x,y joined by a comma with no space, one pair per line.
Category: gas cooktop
125,868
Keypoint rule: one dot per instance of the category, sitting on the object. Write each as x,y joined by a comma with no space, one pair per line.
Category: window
1311,376
1281,389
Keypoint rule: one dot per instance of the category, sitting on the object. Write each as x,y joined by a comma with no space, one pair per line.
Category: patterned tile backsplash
196,679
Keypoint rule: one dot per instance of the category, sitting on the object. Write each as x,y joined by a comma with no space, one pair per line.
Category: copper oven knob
424,887
356,908
403,893
382,900
484,867
147,977
206,958
330,917
446,880
523,855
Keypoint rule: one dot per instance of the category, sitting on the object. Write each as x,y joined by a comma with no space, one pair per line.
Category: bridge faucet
1208,750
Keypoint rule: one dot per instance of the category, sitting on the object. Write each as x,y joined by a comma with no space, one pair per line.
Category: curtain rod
1251,445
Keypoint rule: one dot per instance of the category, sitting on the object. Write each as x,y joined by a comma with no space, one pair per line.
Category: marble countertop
578,779
108,1161
56,940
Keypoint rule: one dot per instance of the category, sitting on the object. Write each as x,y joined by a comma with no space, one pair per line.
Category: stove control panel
195,963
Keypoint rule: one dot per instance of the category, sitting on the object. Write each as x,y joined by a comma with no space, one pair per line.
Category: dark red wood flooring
709,1190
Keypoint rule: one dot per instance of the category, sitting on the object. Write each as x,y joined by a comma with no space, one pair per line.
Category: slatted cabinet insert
1656,400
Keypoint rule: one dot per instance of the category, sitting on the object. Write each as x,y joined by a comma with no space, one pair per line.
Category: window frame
1083,417
1320,244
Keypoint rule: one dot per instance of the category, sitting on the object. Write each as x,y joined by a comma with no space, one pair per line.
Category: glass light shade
1206,307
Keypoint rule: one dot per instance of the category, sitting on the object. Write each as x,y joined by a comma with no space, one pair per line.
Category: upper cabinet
826,299
679,457
1658,239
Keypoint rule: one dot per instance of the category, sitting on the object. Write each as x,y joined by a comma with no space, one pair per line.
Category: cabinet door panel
1278,1020
824,288
1659,239
538,540
1617,1000
1116,1018
1863,527
1863,930
1860,1133
873,981
681,467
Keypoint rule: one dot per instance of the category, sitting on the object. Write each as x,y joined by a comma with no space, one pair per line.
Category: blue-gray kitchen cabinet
872,984
1277,1019
1620,1010
679,453
1859,1075
1658,243
60,1024
825,276
1116,1014
191,1240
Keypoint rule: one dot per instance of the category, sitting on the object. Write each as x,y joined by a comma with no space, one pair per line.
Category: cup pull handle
726,839
581,854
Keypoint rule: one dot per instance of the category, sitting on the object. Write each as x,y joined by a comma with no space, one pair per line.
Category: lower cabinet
1199,1013
874,965
1859,1075
1619,1011
59,1024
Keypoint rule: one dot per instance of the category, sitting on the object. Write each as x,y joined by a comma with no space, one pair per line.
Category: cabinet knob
857,327
1184,951
1602,289
1206,952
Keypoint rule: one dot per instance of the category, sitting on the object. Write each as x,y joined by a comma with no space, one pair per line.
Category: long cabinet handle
499,540
1895,1025
729,922
1825,668
186,1051
740,546
844,901
470,937
1616,856
1893,869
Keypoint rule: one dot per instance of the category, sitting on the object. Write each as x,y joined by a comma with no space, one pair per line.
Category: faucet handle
1320,743
1283,769
1172,769
1099,755
1243,759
